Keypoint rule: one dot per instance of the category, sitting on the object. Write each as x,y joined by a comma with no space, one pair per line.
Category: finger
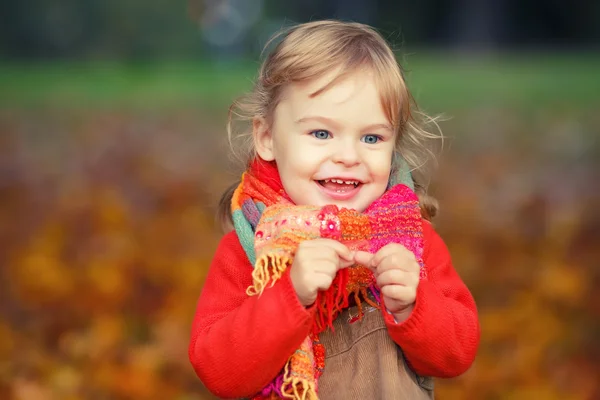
345,264
310,256
323,281
387,250
401,293
364,258
398,277
340,249
325,266
320,253
393,277
403,260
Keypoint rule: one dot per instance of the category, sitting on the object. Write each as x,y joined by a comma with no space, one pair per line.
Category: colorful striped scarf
270,227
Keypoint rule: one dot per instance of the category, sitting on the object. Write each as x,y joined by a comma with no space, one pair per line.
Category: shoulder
429,232
432,241
230,250
230,240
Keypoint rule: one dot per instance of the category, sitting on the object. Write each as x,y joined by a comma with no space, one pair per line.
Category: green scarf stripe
402,173
245,232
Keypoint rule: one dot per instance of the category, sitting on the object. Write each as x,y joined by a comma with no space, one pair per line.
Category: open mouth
339,185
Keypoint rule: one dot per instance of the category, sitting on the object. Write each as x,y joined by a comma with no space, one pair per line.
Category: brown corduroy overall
363,362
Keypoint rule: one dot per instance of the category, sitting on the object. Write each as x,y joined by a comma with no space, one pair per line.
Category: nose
346,153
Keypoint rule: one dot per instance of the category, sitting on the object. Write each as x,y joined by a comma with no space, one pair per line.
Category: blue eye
370,139
321,134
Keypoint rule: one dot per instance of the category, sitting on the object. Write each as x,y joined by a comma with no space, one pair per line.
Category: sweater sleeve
239,343
441,336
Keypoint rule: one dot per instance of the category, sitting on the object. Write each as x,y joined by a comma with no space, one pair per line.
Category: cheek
295,168
381,166
303,161
385,169
295,165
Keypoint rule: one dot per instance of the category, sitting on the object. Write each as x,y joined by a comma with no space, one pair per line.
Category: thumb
345,263
364,258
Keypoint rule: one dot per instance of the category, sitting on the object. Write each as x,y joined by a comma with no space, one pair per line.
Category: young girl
333,284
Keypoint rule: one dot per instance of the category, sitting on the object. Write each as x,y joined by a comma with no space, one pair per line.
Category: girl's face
333,148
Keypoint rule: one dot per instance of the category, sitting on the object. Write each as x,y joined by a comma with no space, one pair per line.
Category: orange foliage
107,232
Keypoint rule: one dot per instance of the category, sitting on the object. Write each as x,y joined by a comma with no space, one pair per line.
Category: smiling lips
340,189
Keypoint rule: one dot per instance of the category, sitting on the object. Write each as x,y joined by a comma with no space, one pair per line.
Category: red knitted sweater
239,343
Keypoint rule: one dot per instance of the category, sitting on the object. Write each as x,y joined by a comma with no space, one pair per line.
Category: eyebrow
331,122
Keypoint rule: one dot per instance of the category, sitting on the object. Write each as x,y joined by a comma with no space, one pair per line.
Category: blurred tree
37,29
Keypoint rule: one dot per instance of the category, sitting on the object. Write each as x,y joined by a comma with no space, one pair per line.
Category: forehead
333,92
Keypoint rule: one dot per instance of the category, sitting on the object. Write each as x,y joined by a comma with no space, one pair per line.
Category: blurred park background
113,156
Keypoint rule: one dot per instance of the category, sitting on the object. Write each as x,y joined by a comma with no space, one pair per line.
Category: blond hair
310,50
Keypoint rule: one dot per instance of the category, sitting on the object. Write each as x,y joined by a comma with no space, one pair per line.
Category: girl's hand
397,272
315,265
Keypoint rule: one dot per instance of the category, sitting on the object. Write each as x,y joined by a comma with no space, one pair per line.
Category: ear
263,139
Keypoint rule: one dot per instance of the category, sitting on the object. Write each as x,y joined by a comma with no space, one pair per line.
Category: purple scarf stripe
274,386
251,212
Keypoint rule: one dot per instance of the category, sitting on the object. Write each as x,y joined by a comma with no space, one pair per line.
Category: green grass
439,82
117,85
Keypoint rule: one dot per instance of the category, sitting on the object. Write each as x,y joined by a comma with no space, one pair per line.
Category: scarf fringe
267,268
331,302
297,388
335,300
